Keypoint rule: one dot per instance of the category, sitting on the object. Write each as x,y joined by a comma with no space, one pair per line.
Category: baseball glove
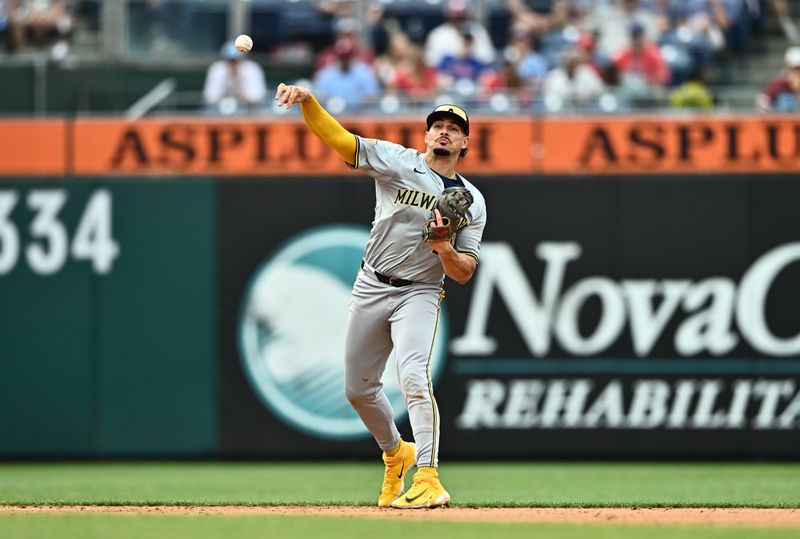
453,206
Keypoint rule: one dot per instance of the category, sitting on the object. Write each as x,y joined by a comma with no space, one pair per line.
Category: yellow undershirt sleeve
329,130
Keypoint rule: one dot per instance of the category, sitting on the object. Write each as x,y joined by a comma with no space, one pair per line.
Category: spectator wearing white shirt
234,83
574,84
447,39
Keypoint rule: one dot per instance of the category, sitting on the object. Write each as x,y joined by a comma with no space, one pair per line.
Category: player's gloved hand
452,207
436,224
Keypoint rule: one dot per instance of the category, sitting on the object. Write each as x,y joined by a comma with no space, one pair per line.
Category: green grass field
471,484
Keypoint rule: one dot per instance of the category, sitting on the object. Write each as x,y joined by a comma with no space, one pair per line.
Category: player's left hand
438,246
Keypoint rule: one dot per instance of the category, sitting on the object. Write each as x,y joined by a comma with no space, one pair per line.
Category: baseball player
396,295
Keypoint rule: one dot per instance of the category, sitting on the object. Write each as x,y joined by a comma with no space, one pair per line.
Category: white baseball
243,43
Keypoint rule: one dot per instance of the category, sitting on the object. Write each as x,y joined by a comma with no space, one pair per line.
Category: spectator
348,78
782,94
611,79
414,78
448,38
43,21
642,70
563,32
399,50
507,79
684,43
234,83
520,41
523,56
693,93
346,27
588,44
712,18
574,83
611,22
463,65
738,24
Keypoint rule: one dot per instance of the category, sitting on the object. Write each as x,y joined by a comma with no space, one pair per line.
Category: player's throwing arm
318,120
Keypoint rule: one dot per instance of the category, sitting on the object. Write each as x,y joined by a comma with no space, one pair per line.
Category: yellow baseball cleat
396,468
426,491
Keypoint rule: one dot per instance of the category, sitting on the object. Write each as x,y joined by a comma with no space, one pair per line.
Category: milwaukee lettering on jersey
418,199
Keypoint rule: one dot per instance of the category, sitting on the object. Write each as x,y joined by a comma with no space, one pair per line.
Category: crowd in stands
37,22
545,55
557,56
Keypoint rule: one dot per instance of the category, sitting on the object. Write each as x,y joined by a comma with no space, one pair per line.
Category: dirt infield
679,516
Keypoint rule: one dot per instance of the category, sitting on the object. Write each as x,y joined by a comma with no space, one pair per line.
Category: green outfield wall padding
16,90
157,322
46,389
107,358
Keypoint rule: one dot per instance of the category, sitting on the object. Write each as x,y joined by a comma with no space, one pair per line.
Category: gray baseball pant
382,317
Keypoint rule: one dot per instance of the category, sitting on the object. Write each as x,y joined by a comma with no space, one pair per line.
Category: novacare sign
615,375
716,312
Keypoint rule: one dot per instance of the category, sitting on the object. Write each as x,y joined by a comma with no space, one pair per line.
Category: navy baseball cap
453,112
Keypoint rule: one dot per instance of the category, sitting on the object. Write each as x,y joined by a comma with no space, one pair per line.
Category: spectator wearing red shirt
642,70
414,78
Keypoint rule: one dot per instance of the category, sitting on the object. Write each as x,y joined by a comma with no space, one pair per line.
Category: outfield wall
178,287
625,317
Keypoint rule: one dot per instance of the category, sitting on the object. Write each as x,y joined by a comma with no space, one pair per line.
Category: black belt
391,281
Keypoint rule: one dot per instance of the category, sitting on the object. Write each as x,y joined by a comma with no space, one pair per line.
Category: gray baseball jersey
406,190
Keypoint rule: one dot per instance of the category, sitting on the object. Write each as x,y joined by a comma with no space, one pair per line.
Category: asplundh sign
281,144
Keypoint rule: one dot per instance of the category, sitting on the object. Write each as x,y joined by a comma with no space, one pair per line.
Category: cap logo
456,111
